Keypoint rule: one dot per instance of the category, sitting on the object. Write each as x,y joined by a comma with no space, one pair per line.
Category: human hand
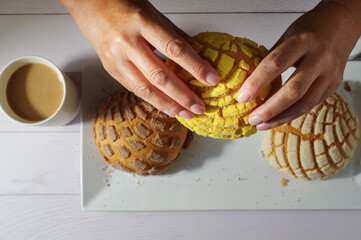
317,44
125,34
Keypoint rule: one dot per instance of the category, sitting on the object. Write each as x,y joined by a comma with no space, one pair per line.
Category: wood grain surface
40,167
58,217
166,6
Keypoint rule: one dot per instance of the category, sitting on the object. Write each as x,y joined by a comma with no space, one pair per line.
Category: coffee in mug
34,92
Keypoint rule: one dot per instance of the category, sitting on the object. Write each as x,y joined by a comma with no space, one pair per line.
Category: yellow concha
234,59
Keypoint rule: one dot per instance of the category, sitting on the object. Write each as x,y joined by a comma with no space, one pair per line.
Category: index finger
280,59
164,79
176,48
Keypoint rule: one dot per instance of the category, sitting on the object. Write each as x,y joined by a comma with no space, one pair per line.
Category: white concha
317,144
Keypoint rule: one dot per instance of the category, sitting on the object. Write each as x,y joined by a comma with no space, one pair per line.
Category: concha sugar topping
234,59
317,144
135,137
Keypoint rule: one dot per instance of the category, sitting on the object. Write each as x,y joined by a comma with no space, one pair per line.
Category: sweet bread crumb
284,182
347,86
261,153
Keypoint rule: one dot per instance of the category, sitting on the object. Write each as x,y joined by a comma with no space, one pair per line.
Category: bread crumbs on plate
261,153
284,182
242,179
347,86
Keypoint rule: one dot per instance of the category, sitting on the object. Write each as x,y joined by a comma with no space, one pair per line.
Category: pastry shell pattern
234,59
317,144
133,136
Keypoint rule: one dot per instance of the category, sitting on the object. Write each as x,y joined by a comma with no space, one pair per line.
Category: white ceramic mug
68,108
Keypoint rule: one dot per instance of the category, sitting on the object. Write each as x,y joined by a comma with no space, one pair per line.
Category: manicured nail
264,126
255,120
186,114
197,108
168,113
212,78
244,96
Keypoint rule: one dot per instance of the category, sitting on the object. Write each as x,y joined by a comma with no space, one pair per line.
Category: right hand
125,34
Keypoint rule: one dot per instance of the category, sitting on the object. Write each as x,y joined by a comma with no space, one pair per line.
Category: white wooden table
39,167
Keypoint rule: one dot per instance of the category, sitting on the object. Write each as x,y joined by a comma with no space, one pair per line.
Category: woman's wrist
351,8
70,5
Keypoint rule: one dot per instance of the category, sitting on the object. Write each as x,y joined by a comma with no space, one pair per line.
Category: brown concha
134,136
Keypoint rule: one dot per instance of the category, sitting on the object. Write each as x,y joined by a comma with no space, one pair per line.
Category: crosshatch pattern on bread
234,59
133,136
317,144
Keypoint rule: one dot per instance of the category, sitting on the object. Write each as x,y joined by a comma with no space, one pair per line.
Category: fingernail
168,113
186,114
212,78
264,126
197,108
244,96
255,120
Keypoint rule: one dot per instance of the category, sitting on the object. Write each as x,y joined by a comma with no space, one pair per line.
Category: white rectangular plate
211,174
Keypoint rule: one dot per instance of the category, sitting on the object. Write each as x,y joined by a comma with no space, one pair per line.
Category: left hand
318,45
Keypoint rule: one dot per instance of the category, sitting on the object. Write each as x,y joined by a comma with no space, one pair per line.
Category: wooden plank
31,7
58,38
60,217
223,6
54,37
39,163
166,6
